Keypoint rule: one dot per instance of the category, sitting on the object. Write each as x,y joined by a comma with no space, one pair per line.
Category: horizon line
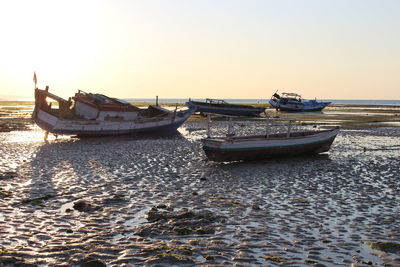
30,99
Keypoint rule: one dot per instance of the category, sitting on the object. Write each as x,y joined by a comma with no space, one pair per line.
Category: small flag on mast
34,78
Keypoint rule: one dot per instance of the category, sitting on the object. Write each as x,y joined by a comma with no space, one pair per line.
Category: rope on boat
393,147
376,148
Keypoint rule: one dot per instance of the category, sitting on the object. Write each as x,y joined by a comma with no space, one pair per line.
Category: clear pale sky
329,49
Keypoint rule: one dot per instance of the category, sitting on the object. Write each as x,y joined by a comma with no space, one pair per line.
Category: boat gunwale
138,119
278,136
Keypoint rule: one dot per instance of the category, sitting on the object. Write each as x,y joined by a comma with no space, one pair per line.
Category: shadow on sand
65,166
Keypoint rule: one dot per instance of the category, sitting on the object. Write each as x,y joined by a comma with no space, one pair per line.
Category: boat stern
191,105
45,120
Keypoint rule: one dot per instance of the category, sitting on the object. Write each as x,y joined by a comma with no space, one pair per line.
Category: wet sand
157,201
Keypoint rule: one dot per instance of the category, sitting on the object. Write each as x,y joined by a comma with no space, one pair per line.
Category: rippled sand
158,201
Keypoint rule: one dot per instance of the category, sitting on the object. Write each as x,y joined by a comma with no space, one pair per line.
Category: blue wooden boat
219,106
294,103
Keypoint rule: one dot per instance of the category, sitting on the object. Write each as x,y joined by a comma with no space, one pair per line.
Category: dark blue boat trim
229,109
304,108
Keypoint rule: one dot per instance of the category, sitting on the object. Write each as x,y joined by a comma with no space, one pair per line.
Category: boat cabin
291,97
100,107
90,106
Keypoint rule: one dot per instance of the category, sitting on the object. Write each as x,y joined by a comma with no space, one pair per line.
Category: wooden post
46,134
230,127
289,128
156,100
208,125
173,118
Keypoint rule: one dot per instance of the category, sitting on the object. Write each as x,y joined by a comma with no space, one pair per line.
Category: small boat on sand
267,146
89,114
294,103
219,106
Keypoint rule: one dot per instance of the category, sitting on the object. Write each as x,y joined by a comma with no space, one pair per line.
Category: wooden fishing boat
219,106
295,103
88,114
267,146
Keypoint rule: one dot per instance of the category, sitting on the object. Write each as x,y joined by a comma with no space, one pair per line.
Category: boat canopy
291,95
215,101
103,102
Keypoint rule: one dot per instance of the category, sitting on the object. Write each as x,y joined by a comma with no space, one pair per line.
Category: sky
328,49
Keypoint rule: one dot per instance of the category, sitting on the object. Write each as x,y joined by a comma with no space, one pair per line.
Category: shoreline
17,115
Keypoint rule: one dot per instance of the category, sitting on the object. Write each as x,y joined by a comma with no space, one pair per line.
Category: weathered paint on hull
267,153
167,128
52,127
262,147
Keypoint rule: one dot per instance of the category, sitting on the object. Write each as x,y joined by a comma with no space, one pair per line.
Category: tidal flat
157,201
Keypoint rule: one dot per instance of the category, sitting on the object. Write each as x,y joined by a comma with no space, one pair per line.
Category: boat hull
230,109
82,128
305,107
222,150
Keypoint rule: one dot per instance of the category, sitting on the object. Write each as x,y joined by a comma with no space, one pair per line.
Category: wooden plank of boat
234,148
89,120
263,147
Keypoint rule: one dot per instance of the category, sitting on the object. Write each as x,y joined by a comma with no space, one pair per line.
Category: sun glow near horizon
49,37
199,49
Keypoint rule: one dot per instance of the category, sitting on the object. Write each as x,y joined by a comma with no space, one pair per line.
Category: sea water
265,101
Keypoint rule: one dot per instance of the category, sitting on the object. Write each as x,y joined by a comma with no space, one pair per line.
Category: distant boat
268,146
293,102
219,106
89,114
